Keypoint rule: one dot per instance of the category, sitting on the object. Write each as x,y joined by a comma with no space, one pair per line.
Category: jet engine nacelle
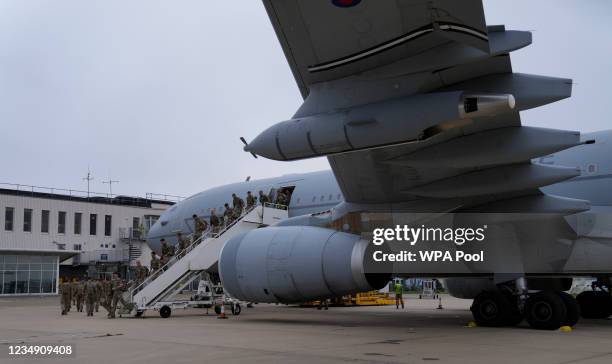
295,264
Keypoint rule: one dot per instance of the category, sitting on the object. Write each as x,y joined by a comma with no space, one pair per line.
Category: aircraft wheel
545,310
492,309
165,312
595,304
572,307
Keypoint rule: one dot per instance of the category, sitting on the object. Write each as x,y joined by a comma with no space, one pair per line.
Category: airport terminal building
47,233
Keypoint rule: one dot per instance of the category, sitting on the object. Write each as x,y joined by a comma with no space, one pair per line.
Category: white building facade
46,235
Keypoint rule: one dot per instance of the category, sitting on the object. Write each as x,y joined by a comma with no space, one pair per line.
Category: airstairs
201,256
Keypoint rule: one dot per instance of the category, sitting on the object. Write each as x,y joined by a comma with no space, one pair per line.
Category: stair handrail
209,233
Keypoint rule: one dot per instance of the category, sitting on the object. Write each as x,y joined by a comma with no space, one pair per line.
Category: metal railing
211,232
132,234
33,189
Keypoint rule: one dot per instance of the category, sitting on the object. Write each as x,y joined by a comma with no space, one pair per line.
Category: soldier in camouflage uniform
238,206
214,221
228,214
183,243
77,293
155,263
66,296
199,227
250,200
90,293
117,287
106,291
140,272
98,293
263,198
167,250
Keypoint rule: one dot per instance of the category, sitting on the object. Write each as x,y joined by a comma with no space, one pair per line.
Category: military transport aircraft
417,108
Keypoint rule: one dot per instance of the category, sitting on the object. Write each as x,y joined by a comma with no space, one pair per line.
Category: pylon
222,313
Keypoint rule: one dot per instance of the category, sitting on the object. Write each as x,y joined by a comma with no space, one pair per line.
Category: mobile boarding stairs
157,292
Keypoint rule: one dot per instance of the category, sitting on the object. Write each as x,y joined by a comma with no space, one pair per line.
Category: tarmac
286,334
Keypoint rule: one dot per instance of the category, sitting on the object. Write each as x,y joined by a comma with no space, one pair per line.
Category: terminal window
77,223
9,215
108,222
61,222
27,220
93,224
28,274
44,221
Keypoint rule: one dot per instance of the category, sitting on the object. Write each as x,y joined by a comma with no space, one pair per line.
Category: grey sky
156,93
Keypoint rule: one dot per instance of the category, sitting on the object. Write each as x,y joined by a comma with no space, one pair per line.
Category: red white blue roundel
345,3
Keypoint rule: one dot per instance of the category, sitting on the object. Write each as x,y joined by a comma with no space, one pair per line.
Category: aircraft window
591,168
314,198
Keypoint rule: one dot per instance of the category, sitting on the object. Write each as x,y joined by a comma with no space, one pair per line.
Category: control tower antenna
110,185
89,178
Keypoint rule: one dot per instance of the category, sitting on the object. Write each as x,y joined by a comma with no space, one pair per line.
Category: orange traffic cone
222,313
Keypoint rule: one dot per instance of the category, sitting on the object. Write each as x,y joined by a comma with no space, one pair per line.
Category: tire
492,309
236,309
572,307
165,311
545,310
595,304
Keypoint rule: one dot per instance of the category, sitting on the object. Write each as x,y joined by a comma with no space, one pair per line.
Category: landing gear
495,309
595,304
545,310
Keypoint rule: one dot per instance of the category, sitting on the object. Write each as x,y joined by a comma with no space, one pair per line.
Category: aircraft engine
293,264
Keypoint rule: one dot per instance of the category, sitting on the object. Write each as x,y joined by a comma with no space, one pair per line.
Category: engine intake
295,264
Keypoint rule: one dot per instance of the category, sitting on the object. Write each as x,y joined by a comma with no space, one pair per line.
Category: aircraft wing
377,76
329,39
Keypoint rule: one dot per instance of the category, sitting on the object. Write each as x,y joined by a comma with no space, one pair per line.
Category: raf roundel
345,3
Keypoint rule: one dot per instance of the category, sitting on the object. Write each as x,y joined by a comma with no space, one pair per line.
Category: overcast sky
156,93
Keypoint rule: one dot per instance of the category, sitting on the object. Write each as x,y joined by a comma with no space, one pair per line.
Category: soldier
214,221
140,272
117,286
80,295
182,242
105,294
74,287
281,198
163,260
263,198
199,227
98,293
228,214
238,206
66,295
250,200
155,263
90,293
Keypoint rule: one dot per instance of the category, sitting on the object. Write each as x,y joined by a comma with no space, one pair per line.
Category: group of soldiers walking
214,224
93,293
